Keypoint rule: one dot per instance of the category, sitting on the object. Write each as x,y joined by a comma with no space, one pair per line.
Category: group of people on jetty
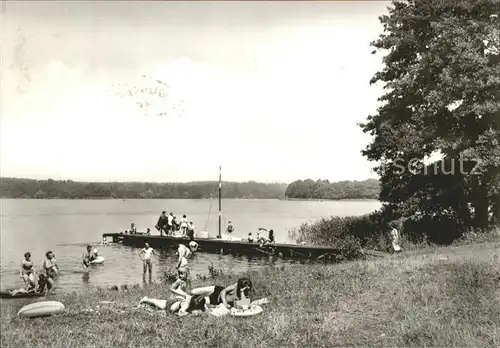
168,225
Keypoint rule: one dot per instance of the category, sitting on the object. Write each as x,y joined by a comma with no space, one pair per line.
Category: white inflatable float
40,309
98,260
246,312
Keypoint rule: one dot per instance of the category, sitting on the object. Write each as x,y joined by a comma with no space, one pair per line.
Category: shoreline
208,198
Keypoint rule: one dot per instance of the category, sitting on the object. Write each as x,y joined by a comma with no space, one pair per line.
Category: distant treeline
323,189
68,189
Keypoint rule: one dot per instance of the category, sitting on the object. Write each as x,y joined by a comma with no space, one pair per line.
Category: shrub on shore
348,234
372,231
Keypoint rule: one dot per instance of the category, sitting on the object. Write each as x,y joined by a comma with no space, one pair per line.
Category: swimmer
87,257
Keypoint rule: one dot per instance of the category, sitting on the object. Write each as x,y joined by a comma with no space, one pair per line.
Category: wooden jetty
222,246
235,247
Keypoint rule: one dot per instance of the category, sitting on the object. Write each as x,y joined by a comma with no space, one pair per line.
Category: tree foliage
68,189
323,189
441,78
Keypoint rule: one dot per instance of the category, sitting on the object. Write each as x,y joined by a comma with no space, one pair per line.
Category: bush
348,234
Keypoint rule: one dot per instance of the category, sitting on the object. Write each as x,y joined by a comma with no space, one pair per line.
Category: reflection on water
66,226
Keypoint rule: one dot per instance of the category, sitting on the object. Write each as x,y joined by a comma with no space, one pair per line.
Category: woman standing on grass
51,269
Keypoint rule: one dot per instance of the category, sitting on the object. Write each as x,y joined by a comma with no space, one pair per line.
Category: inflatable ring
240,312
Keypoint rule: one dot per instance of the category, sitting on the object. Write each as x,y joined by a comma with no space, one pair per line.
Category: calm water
66,226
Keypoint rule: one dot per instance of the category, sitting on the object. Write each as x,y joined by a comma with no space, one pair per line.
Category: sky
271,91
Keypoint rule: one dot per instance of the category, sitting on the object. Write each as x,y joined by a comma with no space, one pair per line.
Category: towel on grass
221,310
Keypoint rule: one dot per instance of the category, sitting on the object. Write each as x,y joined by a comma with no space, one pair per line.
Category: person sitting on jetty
162,224
184,225
230,227
190,231
133,229
87,257
148,232
227,296
28,272
266,240
40,288
51,269
147,264
250,237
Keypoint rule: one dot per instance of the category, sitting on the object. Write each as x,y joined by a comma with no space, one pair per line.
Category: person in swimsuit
217,294
133,229
147,260
87,257
195,304
181,285
39,289
183,252
190,231
193,246
27,272
184,225
51,269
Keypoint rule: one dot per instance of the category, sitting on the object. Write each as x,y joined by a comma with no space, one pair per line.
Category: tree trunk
481,205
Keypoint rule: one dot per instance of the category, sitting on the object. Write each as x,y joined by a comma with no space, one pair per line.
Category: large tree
441,78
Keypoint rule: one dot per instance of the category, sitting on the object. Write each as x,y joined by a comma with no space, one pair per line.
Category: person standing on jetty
162,224
170,223
230,227
133,229
147,260
190,231
184,225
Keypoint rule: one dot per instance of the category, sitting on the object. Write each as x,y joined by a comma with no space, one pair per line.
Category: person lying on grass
211,295
39,289
195,304
219,295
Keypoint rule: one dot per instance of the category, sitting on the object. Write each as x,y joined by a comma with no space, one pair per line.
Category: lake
66,226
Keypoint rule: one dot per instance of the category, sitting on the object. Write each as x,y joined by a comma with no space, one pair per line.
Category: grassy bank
412,301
